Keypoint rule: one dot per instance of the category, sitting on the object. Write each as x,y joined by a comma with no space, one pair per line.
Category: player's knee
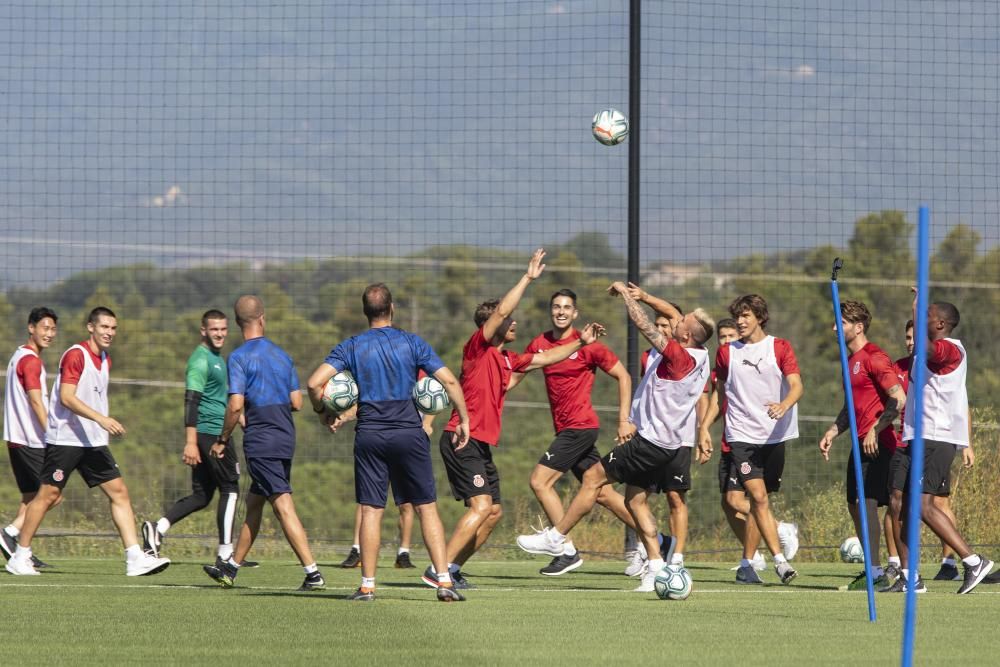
539,483
481,506
676,499
496,513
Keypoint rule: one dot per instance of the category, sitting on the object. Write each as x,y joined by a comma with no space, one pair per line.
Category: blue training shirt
265,375
384,362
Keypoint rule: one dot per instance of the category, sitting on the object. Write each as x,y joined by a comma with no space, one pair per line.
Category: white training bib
754,381
946,404
66,427
20,426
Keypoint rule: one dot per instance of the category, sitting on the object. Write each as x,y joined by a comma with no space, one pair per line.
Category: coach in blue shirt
390,444
264,386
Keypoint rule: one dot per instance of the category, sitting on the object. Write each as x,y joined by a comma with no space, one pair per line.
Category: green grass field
88,612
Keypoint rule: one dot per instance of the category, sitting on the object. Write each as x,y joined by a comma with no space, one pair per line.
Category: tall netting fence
164,159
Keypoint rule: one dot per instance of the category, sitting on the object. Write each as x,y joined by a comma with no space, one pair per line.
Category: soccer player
390,444
205,398
569,384
663,412
264,389
77,439
878,397
762,385
26,406
946,427
486,375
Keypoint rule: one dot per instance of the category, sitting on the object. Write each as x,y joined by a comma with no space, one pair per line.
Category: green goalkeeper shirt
206,373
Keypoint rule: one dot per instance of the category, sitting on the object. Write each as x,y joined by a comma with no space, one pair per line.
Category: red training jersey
486,373
872,376
29,372
72,363
570,381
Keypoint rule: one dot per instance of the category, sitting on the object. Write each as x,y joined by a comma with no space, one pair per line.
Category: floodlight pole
634,85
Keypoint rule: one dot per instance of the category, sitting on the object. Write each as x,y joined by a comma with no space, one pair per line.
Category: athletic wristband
222,441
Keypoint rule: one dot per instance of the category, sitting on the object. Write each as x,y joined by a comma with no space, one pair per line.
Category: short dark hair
947,312
484,310
755,303
725,323
563,292
676,307
212,314
376,301
909,325
96,314
38,314
856,312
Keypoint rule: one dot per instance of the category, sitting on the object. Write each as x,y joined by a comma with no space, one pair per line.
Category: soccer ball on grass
673,582
851,551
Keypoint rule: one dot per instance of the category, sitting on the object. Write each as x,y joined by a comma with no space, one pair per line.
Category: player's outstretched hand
535,266
460,438
191,455
636,292
111,425
592,332
617,288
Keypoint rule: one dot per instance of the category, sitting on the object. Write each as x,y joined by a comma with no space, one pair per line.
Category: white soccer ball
340,392
851,551
430,396
673,582
610,127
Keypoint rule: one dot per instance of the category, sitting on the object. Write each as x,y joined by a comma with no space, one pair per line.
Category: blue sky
174,132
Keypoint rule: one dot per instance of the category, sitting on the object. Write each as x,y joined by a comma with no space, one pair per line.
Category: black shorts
96,465
875,473
471,471
214,473
729,479
27,462
676,475
638,462
573,449
938,457
765,462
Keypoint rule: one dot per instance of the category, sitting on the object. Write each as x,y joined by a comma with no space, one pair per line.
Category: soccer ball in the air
340,392
430,396
610,127
673,582
851,551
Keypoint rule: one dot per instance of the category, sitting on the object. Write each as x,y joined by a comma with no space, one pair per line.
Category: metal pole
634,142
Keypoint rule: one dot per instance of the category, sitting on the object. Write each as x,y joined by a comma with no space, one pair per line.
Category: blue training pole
918,375
855,447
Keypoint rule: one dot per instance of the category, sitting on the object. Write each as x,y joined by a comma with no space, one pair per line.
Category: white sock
677,559
12,531
225,551
232,561
162,526
779,559
757,556
22,553
403,550
568,548
972,560
949,561
133,553
368,582
311,568
444,577
894,560
557,537
356,547
642,551
655,565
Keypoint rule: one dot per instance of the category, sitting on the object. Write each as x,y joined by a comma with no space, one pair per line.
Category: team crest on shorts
574,355
478,481
58,475
744,468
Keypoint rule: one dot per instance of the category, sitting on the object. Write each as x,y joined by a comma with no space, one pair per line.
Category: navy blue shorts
401,457
269,477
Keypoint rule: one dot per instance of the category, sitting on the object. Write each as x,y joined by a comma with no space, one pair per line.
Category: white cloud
804,71
172,197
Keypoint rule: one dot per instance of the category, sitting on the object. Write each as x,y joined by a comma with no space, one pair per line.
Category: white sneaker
21,566
788,536
543,543
638,564
146,565
646,585
759,562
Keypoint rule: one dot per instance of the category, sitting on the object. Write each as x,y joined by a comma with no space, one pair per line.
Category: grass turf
88,612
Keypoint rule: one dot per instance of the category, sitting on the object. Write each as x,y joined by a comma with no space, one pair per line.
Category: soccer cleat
992,578
403,561
151,539
758,561
892,573
860,582
313,582
8,545
668,544
948,572
146,565
353,559
647,583
637,564
788,536
39,564
974,575
543,543
562,564
362,595
786,572
21,567
899,586
460,583
748,575
429,577
250,563
223,572
449,594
